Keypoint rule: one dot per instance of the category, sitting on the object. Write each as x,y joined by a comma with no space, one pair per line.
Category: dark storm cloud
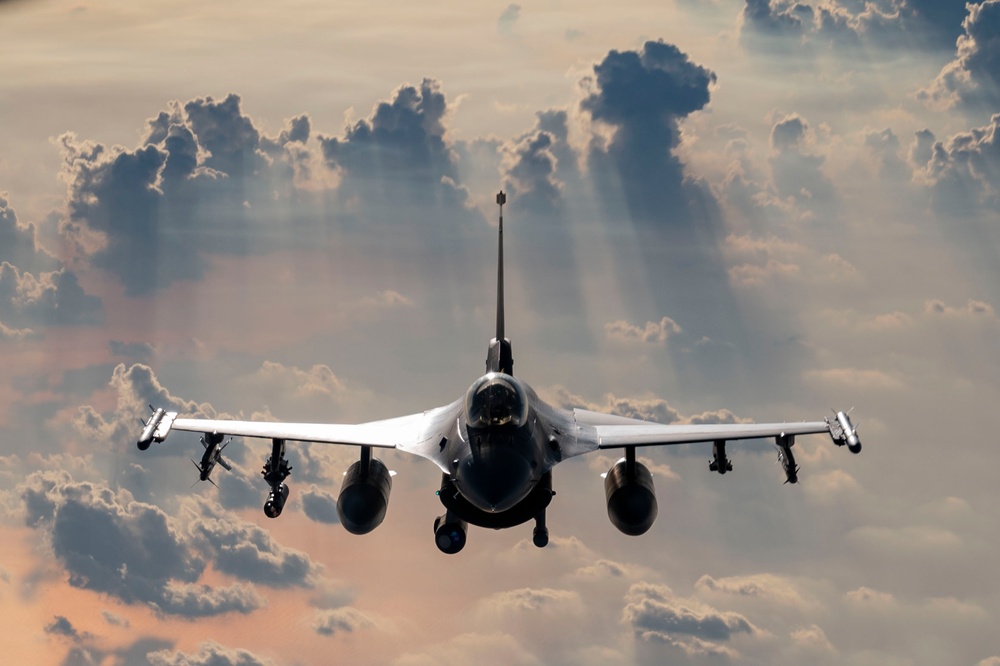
400,149
788,25
209,654
797,173
227,134
48,299
778,17
63,627
112,544
653,611
247,551
205,180
973,78
239,489
18,242
643,95
116,193
320,505
963,171
531,174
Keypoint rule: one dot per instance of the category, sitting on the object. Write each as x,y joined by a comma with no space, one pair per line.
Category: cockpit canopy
495,400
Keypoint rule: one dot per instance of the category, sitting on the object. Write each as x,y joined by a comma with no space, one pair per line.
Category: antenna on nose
501,200
500,358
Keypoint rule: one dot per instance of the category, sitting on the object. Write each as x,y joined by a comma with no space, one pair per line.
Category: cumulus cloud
643,95
963,172
768,587
972,309
54,298
973,77
209,653
203,177
792,26
399,154
652,333
110,543
655,613
135,387
344,620
245,550
653,409
530,172
319,505
18,242
796,170
531,600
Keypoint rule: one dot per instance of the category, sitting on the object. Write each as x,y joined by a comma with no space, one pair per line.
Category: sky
718,211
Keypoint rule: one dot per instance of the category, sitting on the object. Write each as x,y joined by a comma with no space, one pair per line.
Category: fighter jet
496,447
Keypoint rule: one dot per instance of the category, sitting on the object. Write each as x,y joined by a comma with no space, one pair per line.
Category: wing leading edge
610,436
418,434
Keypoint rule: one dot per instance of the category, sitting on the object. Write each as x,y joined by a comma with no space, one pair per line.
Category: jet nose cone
496,483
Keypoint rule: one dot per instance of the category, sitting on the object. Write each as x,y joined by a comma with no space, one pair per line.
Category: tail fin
500,358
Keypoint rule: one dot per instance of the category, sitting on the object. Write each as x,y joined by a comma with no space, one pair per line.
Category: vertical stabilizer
500,358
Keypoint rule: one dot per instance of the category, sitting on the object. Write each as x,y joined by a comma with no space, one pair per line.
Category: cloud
60,626
320,505
135,351
656,614
653,409
247,551
783,26
115,620
17,334
643,95
778,19
973,310
112,544
508,18
652,333
341,620
209,653
797,172
767,587
48,299
528,600
18,242
963,172
399,154
204,181
973,77
388,298
135,387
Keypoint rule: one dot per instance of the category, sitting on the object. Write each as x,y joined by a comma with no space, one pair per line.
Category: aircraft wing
419,434
653,434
